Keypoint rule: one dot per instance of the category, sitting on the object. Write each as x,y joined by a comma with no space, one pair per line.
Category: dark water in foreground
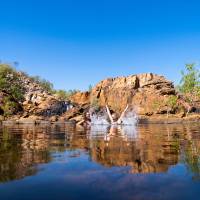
61,162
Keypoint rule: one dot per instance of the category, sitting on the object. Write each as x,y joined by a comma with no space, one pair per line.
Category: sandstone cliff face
40,102
148,93
37,102
81,98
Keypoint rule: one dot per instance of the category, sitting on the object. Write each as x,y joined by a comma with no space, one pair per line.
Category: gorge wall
148,93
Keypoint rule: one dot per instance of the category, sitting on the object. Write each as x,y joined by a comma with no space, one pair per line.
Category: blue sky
75,43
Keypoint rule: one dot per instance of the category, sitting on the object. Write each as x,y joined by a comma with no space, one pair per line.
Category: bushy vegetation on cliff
12,89
10,82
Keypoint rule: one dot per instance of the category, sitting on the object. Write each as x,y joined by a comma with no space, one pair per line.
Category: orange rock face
81,97
148,93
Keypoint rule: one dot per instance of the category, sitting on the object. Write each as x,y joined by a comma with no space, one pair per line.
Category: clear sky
75,43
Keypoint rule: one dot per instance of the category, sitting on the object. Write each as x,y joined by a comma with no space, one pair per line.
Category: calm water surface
64,162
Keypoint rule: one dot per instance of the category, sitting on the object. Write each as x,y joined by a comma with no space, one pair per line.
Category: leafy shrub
171,103
190,82
10,83
9,107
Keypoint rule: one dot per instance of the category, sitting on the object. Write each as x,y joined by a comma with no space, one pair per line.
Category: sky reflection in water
61,161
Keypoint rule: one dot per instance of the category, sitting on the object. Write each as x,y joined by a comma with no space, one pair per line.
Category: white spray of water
99,118
101,127
130,118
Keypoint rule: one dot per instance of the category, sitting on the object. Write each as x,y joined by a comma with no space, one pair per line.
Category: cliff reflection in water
145,149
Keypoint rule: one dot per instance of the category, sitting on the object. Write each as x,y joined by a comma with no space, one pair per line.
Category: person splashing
104,117
114,117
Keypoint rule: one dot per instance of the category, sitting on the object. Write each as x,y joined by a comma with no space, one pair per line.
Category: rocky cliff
37,102
40,102
148,93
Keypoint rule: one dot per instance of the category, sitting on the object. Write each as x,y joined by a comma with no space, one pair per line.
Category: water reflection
145,149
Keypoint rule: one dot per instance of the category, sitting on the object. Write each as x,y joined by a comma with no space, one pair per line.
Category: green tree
171,103
11,90
10,83
190,82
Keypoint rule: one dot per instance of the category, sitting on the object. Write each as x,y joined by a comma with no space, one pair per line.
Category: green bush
9,107
171,103
190,82
10,83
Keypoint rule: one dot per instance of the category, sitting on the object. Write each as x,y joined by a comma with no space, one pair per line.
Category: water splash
130,118
98,117
101,117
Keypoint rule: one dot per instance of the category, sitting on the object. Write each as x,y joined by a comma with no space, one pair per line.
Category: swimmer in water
86,122
114,118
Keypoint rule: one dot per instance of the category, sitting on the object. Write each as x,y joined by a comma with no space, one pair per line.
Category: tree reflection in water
144,149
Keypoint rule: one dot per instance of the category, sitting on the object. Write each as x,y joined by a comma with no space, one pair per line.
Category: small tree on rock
190,82
171,104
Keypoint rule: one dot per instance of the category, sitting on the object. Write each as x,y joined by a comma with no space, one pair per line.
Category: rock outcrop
148,93
81,98
39,102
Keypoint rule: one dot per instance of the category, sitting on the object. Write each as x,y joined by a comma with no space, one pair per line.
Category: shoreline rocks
159,119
